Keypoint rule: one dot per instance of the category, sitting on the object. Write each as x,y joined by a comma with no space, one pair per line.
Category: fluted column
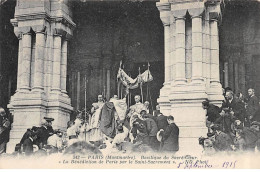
197,68
180,51
214,72
172,45
26,62
64,57
56,76
20,60
226,74
242,78
231,73
166,51
39,61
207,47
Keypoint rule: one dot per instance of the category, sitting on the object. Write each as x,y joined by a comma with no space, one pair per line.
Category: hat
255,123
48,119
210,134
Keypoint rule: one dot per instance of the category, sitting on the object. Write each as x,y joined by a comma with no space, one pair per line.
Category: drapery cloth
134,83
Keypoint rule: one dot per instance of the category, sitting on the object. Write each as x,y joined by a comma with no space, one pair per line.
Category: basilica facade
52,52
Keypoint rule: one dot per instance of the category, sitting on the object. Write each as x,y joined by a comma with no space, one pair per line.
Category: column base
163,100
28,109
215,93
190,117
59,108
186,108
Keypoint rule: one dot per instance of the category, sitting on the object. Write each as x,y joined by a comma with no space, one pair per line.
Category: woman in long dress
95,134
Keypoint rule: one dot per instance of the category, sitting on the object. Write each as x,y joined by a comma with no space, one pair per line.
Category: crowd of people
234,126
108,125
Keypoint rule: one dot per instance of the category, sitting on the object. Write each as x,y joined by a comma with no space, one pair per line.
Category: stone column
214,73
166,51
236,89
20,60
207,52
180,51
231,73
215,93
172,45
242,78
26,62
165,15
197,68
56,76
64,56
39,61
226,74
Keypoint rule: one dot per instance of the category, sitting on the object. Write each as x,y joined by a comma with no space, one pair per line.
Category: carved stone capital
196,12
179,14
163,6
165,17
39,29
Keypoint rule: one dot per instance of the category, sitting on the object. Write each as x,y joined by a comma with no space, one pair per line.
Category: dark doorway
110,32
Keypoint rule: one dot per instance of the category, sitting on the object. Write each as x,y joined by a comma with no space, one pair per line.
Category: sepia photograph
130,84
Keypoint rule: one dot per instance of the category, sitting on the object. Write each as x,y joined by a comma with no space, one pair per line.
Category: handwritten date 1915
227,164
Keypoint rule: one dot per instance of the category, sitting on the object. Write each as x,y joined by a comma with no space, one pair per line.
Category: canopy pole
141,87
85,106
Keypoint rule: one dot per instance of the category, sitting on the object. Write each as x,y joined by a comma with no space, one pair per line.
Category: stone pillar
173,49
214,73
242,78
215,93
56,76
166,51
231,73
20,61
165,15
39,62
197,68
180,52
226,74
207,51
30,105
64,56
26,62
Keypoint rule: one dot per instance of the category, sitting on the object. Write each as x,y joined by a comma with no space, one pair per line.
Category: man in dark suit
45,131
234,106
28,144
212,113
161,121
252,106
170,137
152,130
